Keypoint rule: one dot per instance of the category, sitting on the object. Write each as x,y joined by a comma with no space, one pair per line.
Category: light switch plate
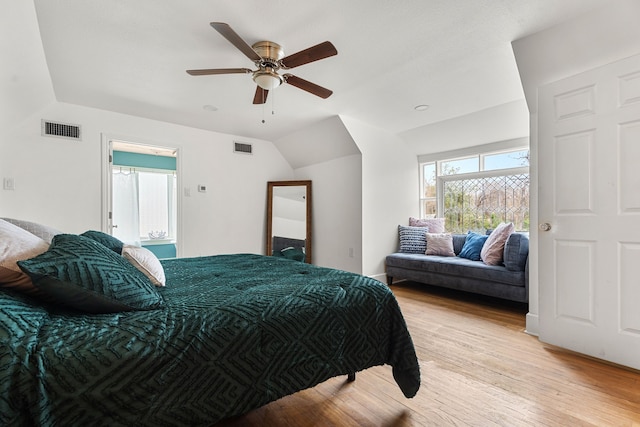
8,184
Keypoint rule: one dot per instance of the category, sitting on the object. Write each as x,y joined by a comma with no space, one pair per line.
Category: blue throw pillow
83,274
473,246
413,240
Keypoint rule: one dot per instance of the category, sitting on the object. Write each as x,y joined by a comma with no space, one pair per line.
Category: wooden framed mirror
289,219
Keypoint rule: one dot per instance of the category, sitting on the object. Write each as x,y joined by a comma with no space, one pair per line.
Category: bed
227,334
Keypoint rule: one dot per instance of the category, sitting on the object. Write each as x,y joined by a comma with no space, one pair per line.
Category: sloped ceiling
25,84
455,56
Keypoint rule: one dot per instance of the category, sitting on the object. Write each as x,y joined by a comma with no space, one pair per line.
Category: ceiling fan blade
314,53
308,86
261,95
210,71
227,32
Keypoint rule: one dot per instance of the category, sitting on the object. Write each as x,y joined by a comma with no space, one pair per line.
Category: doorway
142,195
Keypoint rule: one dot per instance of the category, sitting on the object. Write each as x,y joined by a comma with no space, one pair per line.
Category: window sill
154,242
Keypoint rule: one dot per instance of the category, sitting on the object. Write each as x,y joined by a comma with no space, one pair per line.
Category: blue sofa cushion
472,246
516,250
456,266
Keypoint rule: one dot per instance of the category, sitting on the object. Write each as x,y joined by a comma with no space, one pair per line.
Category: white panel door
589,196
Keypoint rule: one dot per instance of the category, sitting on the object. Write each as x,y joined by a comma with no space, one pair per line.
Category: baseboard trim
532,324
380,277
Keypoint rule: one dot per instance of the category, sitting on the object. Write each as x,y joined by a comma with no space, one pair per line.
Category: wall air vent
241,147
61,130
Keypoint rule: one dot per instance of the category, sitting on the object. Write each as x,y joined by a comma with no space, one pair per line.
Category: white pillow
492,252
145,261
17,244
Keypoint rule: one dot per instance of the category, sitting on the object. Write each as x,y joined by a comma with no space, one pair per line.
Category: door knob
545,226
114,226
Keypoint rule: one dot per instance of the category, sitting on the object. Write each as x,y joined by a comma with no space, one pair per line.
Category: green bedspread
236,332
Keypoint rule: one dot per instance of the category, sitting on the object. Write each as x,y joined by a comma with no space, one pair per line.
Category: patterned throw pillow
435,225
83,274
105,239
440,244
412,239
493,249
473,246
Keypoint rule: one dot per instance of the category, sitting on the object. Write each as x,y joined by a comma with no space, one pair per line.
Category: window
477,192
144,204
428,201
144,193
157,205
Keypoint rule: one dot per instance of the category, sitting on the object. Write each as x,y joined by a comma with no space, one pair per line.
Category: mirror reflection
289,219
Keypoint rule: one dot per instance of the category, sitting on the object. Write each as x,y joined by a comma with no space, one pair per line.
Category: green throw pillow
83,274
105,239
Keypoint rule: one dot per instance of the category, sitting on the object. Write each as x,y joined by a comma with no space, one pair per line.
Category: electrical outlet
350,252
8,184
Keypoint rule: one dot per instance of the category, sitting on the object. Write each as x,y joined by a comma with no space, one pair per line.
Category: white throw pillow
17,244
492,252
145,261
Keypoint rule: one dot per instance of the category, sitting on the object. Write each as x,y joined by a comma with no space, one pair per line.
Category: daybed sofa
508,281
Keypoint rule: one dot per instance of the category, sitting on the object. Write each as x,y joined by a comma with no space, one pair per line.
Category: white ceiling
453,55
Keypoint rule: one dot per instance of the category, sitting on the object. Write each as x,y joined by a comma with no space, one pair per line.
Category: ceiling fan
269,58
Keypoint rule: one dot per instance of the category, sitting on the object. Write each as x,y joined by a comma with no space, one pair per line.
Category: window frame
481,151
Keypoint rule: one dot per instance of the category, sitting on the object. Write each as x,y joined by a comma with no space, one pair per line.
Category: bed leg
389,280
351,376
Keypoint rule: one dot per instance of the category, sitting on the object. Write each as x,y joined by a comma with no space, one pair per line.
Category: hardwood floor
478,368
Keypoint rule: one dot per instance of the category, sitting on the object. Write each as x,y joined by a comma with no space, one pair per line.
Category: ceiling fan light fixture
267,79
269,58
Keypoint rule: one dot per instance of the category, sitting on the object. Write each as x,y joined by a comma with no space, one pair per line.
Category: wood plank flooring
478,368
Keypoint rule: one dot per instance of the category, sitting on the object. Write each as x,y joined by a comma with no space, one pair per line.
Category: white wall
25,84
58,182
594,39
389,192
337,212
291,218
318,143
500,123
358,199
